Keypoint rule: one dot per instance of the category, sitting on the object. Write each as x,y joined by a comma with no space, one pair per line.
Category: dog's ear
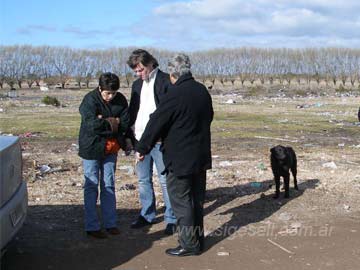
272,150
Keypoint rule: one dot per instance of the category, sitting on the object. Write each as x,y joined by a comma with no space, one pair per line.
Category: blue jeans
144,171
103,172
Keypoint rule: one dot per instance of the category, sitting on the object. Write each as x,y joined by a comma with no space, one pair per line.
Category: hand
139,157
128,146
114,123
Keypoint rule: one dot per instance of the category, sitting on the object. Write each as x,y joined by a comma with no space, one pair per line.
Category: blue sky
181,25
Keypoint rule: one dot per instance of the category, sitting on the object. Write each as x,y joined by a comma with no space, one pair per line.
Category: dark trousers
187,195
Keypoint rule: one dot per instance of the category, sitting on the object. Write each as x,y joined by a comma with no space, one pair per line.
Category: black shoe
140,223
97,234
113,231
170,229
181,252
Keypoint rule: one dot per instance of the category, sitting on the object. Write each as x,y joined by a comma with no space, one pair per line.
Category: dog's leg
286,184
294,172
277,186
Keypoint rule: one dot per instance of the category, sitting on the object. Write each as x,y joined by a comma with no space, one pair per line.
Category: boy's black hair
109,81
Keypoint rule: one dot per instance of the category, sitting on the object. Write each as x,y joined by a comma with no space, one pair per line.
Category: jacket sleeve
124,116
134,103
91,122
158,125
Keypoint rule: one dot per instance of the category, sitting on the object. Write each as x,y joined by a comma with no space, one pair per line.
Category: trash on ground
128,187
330,165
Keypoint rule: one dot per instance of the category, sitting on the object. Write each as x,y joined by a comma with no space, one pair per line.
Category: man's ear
173,79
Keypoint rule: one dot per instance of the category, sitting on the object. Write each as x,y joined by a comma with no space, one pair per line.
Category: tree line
21,64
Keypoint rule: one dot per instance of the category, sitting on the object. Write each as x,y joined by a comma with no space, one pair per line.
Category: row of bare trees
30,65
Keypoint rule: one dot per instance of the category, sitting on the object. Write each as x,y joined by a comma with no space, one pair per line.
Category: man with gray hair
183,120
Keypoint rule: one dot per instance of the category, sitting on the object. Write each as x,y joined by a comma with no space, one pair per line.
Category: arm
124,116
158,124
93,124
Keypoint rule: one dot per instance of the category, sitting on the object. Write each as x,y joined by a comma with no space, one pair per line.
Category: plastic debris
261,166
225,163
255,184
330,165
44,169
230,101
223,253
128,187
129,169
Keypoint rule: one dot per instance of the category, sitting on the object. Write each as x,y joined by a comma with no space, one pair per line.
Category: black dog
282,159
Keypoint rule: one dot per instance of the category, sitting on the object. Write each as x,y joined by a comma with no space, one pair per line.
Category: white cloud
199,24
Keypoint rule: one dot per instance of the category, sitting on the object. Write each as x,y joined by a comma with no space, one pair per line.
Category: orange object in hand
111,146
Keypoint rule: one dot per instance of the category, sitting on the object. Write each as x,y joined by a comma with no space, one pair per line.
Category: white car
13,190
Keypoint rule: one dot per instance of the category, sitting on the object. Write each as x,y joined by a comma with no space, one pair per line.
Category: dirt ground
318,227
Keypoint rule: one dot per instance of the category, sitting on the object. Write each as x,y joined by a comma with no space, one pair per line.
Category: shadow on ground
53,236
243,214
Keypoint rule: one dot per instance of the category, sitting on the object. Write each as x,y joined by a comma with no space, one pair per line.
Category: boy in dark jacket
104,119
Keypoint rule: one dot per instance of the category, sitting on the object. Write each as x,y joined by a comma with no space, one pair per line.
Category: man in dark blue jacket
183,120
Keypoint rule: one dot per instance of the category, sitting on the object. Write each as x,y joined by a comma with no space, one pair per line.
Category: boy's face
107,95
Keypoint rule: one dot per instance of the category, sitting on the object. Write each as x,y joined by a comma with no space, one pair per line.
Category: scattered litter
230,101
347,207
44,88
223,253
277,139
305,106
128,187
29,134
302,106
75,146
341,144
261,166
256,184
225,163
281,247
76,184
129,169
331,165
308,145
12,93
44,169
1,110
283,121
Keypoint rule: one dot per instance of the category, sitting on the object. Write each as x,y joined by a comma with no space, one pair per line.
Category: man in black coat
183,120
147,92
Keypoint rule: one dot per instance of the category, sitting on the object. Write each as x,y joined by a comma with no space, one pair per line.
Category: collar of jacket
185,77
152,74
